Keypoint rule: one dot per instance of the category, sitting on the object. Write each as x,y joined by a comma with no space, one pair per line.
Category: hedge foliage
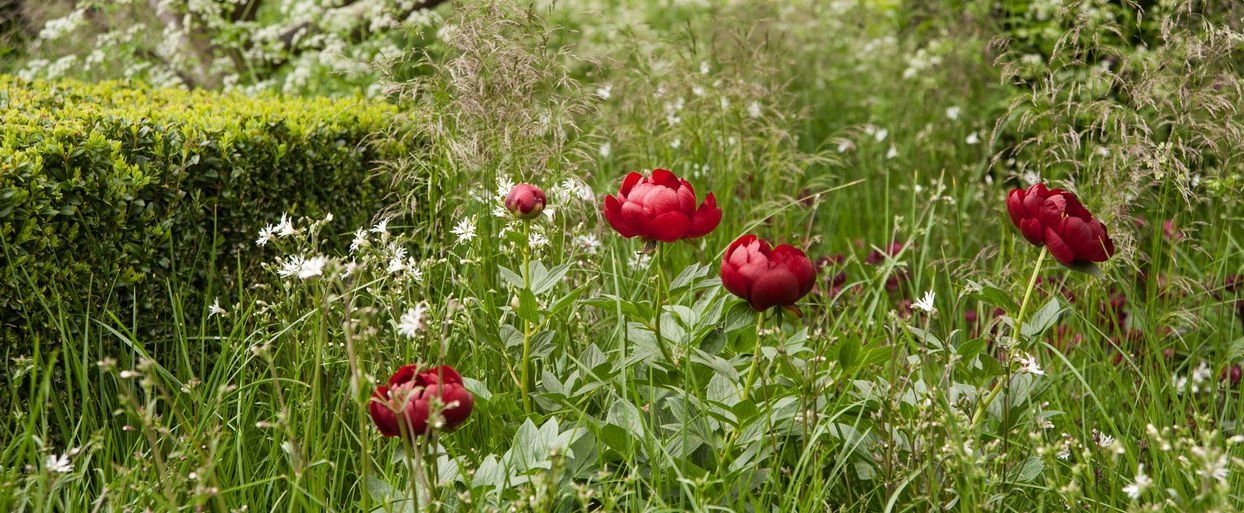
106,186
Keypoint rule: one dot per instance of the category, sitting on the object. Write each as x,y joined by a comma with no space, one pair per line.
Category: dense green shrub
106,187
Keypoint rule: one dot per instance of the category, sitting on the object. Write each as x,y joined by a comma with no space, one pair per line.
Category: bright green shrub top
112,184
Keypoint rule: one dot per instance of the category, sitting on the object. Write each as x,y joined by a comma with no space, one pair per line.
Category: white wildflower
952,112
265,234
381,227
753,110
892,153
58,464
588,242
465,230
303,267
604,91
676,143
881,134
214,309
285,228
1139,485
1028,364
973,138
360,240
926,303
412,322
538,240
704,68
1201,373
606,149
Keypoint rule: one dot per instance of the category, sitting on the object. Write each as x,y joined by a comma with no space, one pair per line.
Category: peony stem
659,305
525,373
1015,334
751,372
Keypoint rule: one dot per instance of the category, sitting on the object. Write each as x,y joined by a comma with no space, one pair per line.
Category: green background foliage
106,186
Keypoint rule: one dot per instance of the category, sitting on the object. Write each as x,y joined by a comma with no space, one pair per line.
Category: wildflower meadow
621,256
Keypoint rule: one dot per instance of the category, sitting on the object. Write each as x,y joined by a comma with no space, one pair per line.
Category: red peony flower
1056,218
766,277
661,207
525,201
413,394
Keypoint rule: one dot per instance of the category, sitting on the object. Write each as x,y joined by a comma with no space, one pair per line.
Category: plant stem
1015,334
525,372
659,305
751,372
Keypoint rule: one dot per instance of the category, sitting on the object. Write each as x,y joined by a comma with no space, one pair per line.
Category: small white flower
285,228
844,146
753,110
360,240
214,309
538,240
313,266
1138,486
1201,373
892,153
465,230
397,260
411,322
697,90
588,242
972,138
704,68
302,267
382,227
881,134
504,184
606,149
265,234
604,91
1028,364
926,303
952,112
676,143
58,464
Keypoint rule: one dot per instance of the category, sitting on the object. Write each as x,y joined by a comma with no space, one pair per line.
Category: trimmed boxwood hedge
106,186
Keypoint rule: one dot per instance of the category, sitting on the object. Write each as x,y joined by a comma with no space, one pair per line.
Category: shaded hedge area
109,191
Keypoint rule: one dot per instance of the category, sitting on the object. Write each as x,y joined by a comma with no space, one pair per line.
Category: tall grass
835,127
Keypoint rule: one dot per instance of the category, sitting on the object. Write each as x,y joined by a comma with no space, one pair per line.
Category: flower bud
525,201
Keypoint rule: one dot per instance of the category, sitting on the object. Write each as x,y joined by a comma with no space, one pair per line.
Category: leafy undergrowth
941,361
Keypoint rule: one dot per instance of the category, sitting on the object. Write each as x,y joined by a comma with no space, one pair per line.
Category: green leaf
739,316
528,307
1089,268
995,296
1031,468
689,274
1043,319
511,277
550,278
848,352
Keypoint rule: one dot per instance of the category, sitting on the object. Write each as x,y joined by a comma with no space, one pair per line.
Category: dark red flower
661,207
418,395
970,317
1231,375
1170,232
1232,283
766,277
1056,218
878,256
525,201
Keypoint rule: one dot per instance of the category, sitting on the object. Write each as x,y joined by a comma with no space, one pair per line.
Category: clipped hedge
105,186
